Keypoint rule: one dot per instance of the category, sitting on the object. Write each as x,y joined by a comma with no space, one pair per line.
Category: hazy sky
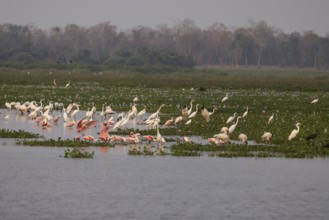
288,15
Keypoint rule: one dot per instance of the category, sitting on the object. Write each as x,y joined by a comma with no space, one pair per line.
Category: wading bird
225,98
155,114
103,134
294,132
206,114
270,119
68,84
267,136
230,119
245,113
243,138
315,101
169,122
191,106
75,112
84,124
232,127
193,114
141,113
311,137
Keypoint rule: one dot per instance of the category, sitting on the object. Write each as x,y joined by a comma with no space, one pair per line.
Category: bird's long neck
297,125
237,120
160,108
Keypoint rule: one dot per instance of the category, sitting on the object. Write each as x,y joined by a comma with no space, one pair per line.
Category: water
38,183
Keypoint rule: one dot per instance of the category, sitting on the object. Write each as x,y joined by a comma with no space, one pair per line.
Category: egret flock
110,120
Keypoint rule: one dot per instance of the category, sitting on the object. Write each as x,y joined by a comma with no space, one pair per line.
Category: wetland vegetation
284,93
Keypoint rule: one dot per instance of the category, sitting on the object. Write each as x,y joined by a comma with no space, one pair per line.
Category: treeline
183,45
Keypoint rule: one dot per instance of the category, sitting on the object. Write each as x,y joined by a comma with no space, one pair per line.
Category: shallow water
38,183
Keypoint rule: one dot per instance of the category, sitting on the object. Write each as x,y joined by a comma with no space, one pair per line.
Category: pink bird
169,122
88,138
104,133
149,138
84,124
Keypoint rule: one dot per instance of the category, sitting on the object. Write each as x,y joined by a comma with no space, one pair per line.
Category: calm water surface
37,183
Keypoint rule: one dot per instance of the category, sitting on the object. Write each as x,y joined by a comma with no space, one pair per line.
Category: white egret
270,120
232,127
245,113
193,114
315,101
294,132
230,119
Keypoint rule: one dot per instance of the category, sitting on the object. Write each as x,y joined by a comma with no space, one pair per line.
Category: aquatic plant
77,153
6,133
60,143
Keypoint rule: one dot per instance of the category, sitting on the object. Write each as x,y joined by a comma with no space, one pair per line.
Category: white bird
159,137
232,127
188,122
191,106
89,114
224,130
315,101
178,120
75,112
206,114
67,85
141,113
270,120
243,138
155,114
193,114
245,113
267,136
101,114
222,138
55,84
8,105
230,119
294,132
225,98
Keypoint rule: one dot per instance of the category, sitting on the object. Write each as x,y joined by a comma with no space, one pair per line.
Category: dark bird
326,145
311,137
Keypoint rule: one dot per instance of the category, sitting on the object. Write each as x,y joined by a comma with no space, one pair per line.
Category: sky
287,15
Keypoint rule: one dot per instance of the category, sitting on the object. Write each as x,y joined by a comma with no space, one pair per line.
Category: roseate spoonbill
267,136
243,138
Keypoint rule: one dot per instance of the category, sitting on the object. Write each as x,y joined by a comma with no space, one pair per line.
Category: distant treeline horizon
183,45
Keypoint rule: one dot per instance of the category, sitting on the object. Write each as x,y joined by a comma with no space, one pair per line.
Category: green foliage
77,153
59,143
6,133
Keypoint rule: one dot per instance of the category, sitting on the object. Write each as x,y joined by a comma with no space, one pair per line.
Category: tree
263,35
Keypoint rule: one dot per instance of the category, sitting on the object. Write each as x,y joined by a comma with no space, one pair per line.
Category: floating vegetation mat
61,143
6,133
78,153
